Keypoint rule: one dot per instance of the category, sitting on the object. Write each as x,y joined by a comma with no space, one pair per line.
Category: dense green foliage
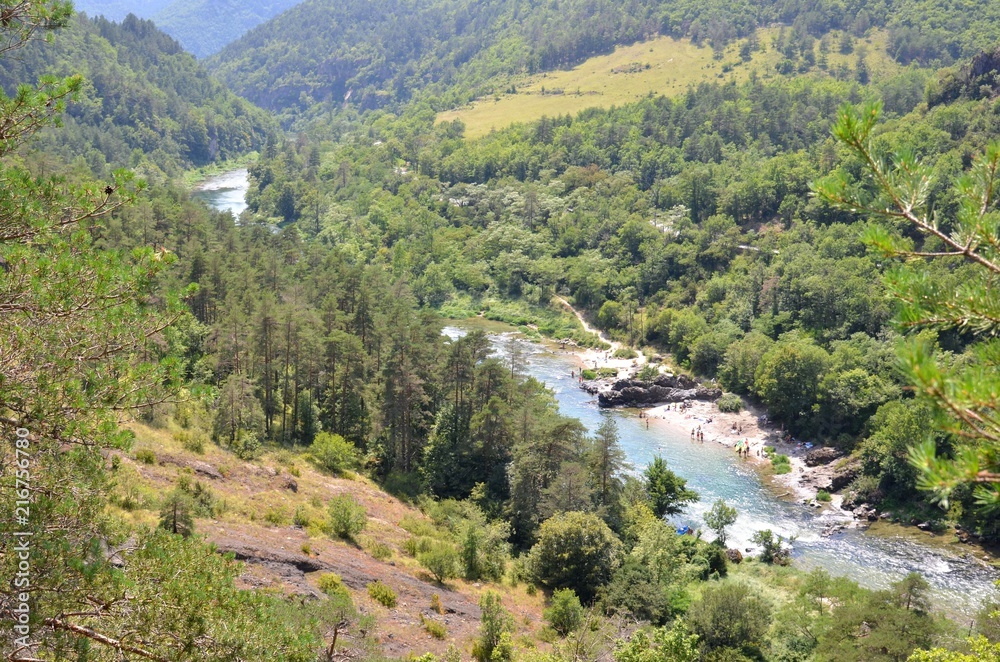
311,325
80,346
322,54
144,103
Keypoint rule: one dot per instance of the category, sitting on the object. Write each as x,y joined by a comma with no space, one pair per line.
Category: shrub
625,353
730,402
772,547
823,495
382,594
347,517
436,603
865,489
191,441
441,560
730,616
246,446
780,469
494,643
331,584
301,517
378,550
575,550
648,373
334,453
589,374
566,612
781,463
607,372
276,516
434,628
145,456
485,550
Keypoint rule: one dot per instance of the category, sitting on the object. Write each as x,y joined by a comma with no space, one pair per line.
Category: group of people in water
696,433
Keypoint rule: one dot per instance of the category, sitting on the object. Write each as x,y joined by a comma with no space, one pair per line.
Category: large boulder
821,456
664,388
843,476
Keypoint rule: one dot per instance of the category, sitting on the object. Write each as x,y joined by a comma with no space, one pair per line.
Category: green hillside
261,440
452,51
145,103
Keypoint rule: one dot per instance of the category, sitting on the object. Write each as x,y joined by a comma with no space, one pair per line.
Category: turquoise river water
714,471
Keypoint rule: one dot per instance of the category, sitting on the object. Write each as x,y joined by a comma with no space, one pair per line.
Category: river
874,561
226,191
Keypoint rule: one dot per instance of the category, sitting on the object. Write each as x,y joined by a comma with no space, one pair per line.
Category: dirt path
601,357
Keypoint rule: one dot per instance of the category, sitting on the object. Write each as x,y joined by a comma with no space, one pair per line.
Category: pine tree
965,394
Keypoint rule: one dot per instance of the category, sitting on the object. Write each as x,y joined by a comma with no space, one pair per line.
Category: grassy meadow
663,65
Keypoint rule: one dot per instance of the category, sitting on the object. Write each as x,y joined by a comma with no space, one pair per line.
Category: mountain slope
144,99
451,51
204,27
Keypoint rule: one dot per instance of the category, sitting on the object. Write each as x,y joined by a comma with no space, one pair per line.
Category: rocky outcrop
665,388
198,467
843,476
734,555
821,456
865,513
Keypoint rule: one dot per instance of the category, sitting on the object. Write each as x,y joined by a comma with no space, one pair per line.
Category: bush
589,374
276,515
823,495
379,551
331,584
441,560
730,616
730,402
648,373
347,517
485,550
434,628
436,603
772,547
566,612
607,372
494,642
575,550
145,456
334,453
781,463
382,594
191,441
301,517
246,446
625,353
865,489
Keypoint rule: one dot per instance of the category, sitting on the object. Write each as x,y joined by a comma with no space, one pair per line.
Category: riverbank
193,179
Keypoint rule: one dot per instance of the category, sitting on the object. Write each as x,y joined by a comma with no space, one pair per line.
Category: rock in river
665,388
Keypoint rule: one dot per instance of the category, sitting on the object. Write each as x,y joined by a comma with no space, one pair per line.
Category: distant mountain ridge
145,101
384,52
203,27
